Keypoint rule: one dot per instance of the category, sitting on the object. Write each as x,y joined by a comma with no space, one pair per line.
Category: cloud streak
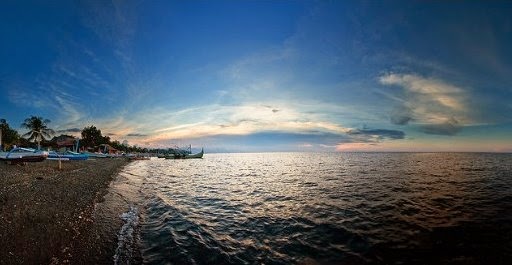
428,90
70,130
247,120
435,105
136,135
378,134
314,120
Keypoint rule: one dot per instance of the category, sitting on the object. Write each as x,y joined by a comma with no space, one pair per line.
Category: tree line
40,135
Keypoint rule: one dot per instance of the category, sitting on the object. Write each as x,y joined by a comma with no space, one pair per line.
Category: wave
126,236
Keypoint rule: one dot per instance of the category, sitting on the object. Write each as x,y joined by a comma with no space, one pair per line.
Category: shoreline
46,213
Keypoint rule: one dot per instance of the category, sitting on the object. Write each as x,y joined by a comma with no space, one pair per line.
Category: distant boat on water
138,157
184,155
198,155
21,155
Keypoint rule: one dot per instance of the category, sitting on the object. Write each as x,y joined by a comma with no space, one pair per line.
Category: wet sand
46,214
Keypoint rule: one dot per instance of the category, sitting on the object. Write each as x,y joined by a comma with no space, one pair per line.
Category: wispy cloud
24,94
437,106
312,120
136,135
374,135
69,130
243,120
428,90
114,23
71,113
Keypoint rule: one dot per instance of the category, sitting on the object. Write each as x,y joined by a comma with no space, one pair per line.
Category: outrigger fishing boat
67,156
184,154
22,155
198,155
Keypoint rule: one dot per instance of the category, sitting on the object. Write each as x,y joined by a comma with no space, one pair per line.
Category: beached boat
20,155
67,156
96,155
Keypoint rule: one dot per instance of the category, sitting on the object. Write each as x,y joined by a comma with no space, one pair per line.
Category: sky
256,76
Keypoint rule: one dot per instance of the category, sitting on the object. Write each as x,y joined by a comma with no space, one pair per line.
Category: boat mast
76,145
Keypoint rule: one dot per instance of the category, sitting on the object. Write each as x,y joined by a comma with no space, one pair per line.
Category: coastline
45,212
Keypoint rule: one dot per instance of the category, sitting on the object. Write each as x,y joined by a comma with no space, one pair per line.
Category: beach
47,213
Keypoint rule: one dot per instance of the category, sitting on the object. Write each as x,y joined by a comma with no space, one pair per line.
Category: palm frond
27,134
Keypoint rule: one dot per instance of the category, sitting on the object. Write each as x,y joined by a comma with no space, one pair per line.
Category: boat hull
35,158
191,156
68,157
21,155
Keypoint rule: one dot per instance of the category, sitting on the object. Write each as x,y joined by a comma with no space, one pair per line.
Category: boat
137,156
186,155
96,155
67,156
198,155
182,153
22,155
169,156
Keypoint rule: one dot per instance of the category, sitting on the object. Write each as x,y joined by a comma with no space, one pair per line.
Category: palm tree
38,129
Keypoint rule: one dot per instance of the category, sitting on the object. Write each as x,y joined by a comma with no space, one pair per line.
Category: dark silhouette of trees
91,137
40,133
9,136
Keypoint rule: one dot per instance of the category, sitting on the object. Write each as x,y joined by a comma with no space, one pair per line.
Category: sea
314,208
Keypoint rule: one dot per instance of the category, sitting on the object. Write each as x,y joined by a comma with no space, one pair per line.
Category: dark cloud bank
450,127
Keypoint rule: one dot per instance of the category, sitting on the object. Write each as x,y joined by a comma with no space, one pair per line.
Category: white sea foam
125,237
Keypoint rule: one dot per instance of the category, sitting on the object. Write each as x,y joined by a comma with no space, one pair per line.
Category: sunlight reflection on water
359,208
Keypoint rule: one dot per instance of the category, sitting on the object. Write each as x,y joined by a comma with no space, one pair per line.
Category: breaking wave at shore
126,236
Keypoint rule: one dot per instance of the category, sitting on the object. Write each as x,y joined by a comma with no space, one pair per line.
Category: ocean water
317,208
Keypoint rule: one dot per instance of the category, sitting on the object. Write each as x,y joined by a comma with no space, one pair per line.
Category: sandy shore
46,212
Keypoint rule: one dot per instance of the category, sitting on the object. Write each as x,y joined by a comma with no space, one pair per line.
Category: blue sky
264,75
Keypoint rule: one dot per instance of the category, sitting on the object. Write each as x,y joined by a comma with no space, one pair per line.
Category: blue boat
67,156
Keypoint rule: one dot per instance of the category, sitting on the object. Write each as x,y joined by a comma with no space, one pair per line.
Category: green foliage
117,145
38,129
91,137
10,137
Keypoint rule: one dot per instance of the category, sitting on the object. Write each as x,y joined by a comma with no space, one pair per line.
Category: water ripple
299,208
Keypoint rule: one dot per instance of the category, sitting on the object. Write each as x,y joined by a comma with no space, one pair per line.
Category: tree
9,136
117,145
39,130
91,137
